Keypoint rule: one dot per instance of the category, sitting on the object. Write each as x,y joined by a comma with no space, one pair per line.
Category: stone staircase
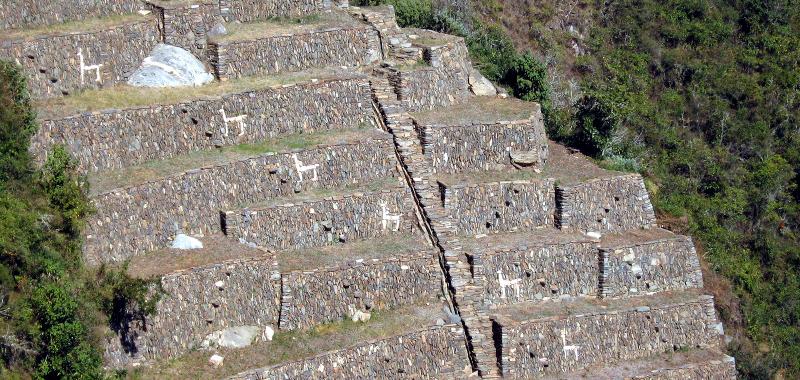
362,213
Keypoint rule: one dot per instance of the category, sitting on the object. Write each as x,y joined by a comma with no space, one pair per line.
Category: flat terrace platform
123,96
514,240
286,27
478,110
101,182
296,345
566,166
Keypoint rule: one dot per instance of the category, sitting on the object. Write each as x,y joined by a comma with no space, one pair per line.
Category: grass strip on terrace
428,38
83,26
155,169
285,26
124,96
382,248
295,345
478,110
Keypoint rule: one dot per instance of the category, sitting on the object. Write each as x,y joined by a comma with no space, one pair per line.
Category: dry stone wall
142,218
336,46
324,295
254,10
432,353
197,302
500,206
115,139
58,65
30,13
711,370
654,266
186,24
325,222
542,272
613,204
560,344
479,147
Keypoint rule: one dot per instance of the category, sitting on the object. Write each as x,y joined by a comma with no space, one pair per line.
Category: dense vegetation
50,305
700,96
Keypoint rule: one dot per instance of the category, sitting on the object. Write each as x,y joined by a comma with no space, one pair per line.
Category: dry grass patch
285,26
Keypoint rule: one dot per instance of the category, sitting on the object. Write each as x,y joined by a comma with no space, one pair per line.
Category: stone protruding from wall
16,14
64,63
313,297
142,218
325,222
435,352
441,82
484,146
291,49
565,343
605,205
186,24
257,10
495,207
667,262
121,138
198,302
539,271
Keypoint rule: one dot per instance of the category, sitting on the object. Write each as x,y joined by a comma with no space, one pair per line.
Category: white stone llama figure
85,68
240,120
504,283
570,348
304,168
387,218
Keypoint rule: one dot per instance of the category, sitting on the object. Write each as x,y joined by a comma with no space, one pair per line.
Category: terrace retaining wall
324,295
113,139
16,14
193,306
325,222
500,206
255,10
142,218
613,204
436,352
52,62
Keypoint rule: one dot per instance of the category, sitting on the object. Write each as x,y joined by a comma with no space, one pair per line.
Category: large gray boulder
170,66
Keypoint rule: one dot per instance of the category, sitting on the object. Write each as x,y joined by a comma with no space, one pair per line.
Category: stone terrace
363,213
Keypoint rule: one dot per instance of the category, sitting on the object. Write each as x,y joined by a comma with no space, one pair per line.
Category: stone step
708,364
121,127
18,14
326,221
67,58
139,208
555,338
333,39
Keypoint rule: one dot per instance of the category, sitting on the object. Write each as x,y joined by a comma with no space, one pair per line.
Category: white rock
170,66
216,361
594,235
268,333
479,85
183,241
232,337
219,283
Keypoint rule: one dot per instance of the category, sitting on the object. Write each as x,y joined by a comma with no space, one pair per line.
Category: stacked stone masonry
114,139
198,302
605,205
481,147
186,24
500,206
336,46
541,272
712,370
560,344
323,295
325,222
256,10
654,266
142,218
433,353
62,64
16,14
